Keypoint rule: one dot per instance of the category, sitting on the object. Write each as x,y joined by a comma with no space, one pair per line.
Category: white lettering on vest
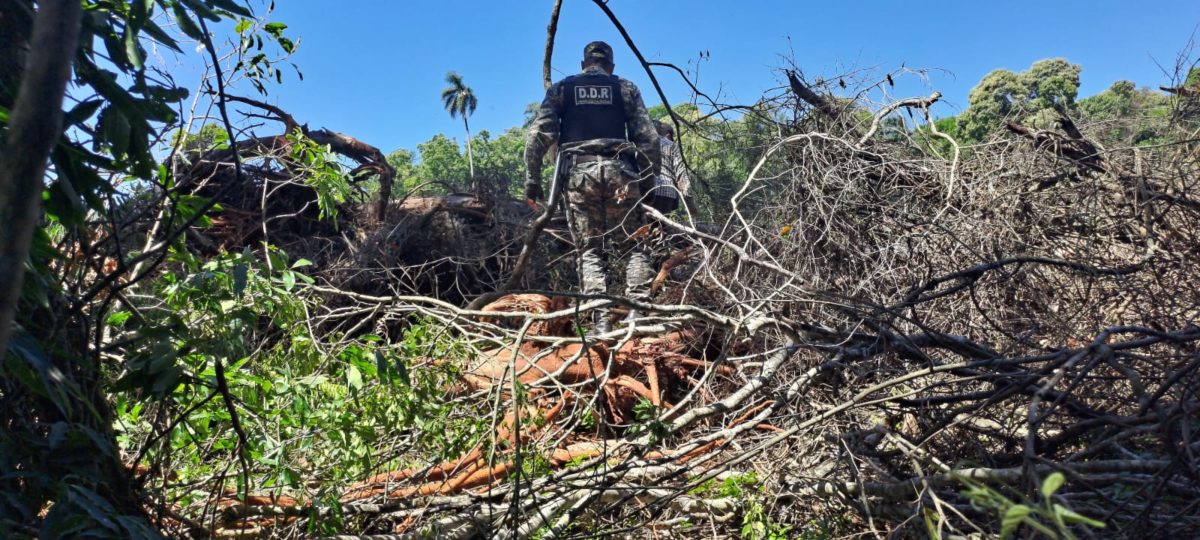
593,95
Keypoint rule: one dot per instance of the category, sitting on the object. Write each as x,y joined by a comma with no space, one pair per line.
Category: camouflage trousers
603,212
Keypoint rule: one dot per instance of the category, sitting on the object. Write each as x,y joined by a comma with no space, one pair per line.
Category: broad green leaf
143,9
278,259
156,32
289,280
79,113
186,24
95,506
232,7
155,109
241,275
1052,483
354,377
381,367
203,10
116,48
118,318
115,127
930,523
166,94
105,83
1012,519
133,50
1070,516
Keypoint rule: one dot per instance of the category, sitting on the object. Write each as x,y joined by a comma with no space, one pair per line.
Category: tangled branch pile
895,340
290,190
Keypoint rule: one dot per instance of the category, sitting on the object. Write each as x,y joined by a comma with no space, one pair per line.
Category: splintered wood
650,368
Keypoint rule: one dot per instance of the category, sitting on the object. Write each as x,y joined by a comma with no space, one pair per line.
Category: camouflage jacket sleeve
543,134
639,126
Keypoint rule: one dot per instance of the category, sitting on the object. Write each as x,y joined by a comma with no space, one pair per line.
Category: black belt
588,158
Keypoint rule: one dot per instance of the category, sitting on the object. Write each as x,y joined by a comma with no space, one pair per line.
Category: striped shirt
674,172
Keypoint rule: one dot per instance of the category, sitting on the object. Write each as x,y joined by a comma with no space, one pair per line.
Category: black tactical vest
592,108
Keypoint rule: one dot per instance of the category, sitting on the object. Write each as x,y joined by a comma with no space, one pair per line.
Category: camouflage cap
598,50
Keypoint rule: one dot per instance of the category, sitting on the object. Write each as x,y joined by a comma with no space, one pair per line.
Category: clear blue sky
374,69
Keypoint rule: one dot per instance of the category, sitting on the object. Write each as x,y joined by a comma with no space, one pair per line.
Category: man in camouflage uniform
610,150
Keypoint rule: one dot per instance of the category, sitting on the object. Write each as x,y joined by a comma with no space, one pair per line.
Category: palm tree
459,99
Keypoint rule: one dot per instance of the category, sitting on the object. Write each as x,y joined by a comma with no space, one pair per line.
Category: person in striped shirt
674,181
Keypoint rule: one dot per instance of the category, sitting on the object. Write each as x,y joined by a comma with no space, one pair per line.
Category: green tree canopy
1126,114
1006,96
407,172
206,138
500,160
1193,78
443,163
438,166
